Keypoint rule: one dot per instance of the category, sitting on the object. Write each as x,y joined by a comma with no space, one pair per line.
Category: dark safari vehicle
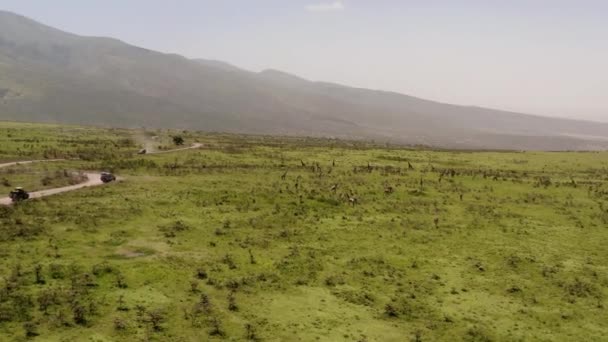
107,177
19,194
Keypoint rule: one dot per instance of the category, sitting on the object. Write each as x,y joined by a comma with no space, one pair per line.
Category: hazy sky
547,57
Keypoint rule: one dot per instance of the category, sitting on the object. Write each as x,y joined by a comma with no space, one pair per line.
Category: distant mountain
218,64
48,75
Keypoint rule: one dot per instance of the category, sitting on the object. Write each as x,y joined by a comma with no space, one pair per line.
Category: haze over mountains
47,75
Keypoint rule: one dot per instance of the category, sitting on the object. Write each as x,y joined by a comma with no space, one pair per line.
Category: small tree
251,258
156,318
391,310
46,298
205,304
232,302
194,286
31,329
178,140
250,333
121,282
201,273
120,324
39,277
122,306
140,312
79,312
216,328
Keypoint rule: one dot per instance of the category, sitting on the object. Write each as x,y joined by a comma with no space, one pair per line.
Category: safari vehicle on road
19,195
107,177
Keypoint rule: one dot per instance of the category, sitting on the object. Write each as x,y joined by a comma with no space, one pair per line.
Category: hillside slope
52,76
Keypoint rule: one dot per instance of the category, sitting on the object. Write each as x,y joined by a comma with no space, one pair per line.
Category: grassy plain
285,239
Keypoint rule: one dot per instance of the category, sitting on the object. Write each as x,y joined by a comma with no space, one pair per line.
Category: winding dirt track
196,145
28,162
94,178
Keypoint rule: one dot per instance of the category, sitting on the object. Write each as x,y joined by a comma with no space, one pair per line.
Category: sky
547,57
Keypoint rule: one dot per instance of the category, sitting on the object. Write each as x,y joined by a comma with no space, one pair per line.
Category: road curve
93,178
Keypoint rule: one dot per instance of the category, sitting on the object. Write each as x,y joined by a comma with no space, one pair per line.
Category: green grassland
286,239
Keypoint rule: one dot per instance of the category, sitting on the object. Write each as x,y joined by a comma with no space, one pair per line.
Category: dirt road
28,162
194,146
94,179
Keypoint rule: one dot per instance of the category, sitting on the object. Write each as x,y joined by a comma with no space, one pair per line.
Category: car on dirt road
107,177
19,195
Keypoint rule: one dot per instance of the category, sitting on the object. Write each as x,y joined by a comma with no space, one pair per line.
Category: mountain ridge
54,76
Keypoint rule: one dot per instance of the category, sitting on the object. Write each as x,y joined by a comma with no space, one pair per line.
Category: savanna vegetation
293,239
